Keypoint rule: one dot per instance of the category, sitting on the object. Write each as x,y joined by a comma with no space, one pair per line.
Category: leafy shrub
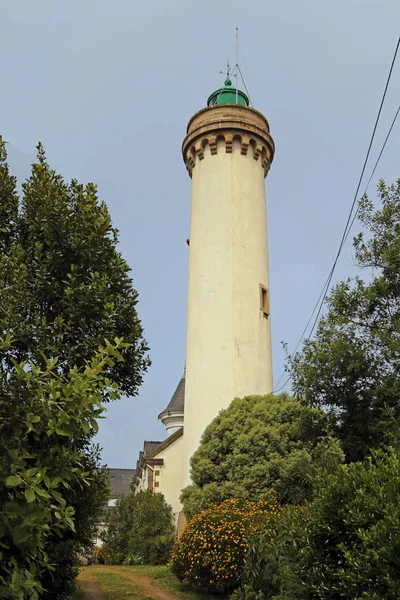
66,552
137,530
42,467
264,573
160,548
259,443
211,549
354,525
345,544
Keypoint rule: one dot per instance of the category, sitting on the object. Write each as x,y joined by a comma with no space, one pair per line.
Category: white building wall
228,336
171,475
143,482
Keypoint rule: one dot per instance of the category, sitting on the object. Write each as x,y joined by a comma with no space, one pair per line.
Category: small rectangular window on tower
264,300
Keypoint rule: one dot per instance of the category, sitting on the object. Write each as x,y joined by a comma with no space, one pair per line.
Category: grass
110,583
115,582
78,593
167,581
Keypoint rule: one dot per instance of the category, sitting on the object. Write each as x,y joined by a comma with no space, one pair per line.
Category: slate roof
177,402
120,481
172,438
150,446
141,463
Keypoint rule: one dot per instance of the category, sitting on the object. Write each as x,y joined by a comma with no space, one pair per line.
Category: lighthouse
227,151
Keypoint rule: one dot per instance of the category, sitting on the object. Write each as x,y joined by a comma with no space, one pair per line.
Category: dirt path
91,590
148,588
145,586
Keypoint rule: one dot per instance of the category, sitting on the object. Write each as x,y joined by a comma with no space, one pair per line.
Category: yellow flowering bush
212,547
100,556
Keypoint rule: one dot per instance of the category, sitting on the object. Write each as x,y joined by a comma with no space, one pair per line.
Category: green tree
139,530
352,367
64,289
342,545
258,443
42,414
354,529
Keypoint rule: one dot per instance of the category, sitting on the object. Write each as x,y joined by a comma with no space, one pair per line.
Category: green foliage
64,289
88,502
342,545
160,549
139,530
258,443
211,550
354,525
268,564
352,367
42,414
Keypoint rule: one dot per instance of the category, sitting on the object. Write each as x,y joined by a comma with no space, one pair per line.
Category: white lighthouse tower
228,151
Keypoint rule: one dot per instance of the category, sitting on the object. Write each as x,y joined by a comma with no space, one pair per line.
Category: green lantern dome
227,95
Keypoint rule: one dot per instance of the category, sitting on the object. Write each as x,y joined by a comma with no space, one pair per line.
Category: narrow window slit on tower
264,300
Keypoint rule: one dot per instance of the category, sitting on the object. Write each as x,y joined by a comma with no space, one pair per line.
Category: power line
301,338
376,164
351,218
348,225
348,231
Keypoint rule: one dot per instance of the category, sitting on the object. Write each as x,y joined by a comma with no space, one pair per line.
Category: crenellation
227,138
212,142
257,152
245,145
199,149
228,123
228,143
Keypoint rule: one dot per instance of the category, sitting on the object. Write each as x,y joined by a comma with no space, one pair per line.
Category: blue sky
109,87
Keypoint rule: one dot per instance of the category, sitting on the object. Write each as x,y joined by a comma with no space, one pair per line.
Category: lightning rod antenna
237,63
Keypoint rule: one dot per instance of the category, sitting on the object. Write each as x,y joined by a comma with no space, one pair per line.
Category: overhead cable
351,217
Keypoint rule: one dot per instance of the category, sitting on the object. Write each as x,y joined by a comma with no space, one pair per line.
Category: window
264,300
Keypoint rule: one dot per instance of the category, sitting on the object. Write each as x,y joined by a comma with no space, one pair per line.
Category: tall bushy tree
64,286
139,530
259,443
64,289
352,367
